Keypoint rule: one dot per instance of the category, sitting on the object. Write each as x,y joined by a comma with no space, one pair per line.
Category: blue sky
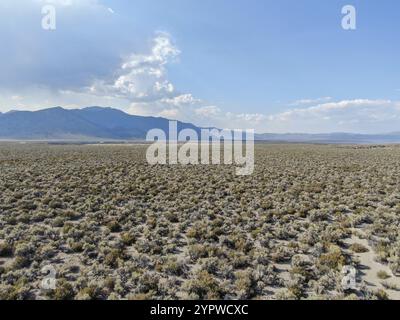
275,66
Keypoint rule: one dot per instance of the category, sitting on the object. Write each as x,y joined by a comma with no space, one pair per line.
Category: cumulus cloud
357,115
208,111
357,106
181,107
310,101
142,77
142,80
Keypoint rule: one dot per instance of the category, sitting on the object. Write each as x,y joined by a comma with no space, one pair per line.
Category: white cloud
208,111
142,80
183,99
37,97
170,113
357,115
342,106
310,101
142,77
181,107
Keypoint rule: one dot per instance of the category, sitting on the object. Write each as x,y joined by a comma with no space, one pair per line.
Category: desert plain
114,227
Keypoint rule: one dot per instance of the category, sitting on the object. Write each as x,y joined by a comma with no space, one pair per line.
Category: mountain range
98,124
92,123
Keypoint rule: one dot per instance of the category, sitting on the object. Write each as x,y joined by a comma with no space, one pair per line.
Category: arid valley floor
114,227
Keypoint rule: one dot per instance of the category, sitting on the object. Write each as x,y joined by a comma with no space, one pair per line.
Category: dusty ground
114,227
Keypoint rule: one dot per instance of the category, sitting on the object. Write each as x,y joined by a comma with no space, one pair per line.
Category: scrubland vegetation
115,227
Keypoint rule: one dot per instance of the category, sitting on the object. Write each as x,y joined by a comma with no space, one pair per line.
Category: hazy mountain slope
125,125
93,122
51,123
330,137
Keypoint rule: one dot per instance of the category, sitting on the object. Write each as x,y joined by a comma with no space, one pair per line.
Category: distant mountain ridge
92,123
99,123
336,137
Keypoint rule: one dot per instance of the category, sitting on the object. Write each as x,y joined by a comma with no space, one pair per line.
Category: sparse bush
22,262
55,204
6,249
204,286
76,246
113,258
381,294
245,284
174,267
158,232
63,291
358,248
333,259
128,238
114,226
91,292
383,275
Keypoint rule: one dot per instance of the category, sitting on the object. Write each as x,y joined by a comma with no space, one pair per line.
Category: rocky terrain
114,227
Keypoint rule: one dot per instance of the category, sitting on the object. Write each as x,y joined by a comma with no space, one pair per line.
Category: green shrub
198,251
114,226
113,257
358,248
6,250
58,222
381,294
141,296
204,286
333,260
21,262
383,275
173,267
28,205
128,238
76,246
245,284
55,204
172,217
20,290
91,292
64,291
